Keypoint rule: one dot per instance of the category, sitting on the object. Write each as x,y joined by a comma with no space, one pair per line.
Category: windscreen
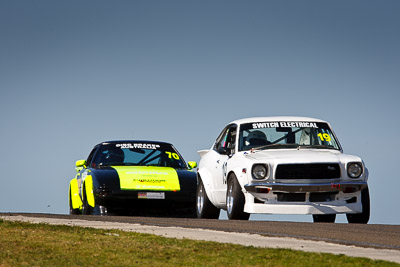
286,134
138,154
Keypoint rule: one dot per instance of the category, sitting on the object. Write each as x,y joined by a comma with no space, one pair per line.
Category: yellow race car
133,176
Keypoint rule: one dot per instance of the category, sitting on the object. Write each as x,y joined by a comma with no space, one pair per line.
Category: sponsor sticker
148,178
277,124
138,145
151,195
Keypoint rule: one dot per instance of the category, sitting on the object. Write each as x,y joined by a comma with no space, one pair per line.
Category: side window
220,139
231,140
227,139
90,157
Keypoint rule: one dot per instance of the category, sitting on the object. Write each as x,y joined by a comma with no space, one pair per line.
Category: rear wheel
324,218
204,208
235,200
362,217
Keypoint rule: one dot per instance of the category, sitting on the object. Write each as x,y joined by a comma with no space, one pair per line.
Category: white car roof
275,118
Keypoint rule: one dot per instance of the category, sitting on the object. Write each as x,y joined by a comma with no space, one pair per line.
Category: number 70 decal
324,137
172,155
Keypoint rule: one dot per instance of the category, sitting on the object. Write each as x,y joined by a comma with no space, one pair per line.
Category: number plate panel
151,195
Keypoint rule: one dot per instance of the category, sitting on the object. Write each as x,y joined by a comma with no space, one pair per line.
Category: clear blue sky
75,73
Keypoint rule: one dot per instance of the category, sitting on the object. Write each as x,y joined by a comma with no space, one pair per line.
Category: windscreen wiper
316,146
276,146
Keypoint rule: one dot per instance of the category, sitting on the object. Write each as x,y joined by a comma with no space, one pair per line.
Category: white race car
281,165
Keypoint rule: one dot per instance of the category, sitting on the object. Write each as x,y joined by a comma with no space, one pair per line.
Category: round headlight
259,171
354,169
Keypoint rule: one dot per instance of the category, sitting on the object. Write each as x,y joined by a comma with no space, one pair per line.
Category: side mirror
224,151
80,163
192,165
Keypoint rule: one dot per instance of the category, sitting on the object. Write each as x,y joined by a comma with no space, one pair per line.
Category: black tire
235,200
362,217
204,208
324,218
89,210
184,210
72,211
191,214
86,208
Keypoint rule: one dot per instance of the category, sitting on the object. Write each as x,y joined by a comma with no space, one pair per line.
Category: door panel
218,177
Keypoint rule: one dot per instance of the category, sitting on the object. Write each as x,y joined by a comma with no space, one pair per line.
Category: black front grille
308,171
301,197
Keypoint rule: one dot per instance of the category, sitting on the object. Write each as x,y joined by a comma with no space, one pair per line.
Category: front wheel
235,200
89,210
204,208
86,208
324,218
362,217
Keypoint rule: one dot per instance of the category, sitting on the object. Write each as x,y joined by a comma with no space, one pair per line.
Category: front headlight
354,169
259,171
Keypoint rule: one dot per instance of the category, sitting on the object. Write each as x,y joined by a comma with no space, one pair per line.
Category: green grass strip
26,244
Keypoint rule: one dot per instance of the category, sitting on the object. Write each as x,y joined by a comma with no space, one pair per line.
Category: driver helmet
257,138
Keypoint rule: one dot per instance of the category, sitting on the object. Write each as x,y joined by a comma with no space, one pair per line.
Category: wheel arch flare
88,186
74,197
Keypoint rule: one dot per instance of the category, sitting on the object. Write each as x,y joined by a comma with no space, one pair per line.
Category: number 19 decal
172,155
324,137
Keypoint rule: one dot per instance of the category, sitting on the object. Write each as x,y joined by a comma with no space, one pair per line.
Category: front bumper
321,198
259,189
130,199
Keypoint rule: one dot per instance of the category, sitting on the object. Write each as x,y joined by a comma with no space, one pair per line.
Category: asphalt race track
370,236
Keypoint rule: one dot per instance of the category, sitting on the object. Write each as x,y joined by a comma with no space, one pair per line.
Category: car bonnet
294,155
147,178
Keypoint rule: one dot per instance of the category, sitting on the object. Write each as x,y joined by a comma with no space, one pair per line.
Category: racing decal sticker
138,145
148,178
277,124
224,172
172,155
324,137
